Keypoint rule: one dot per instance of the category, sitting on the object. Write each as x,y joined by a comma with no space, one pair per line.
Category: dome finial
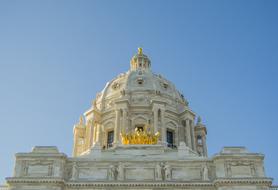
81,122
140,50
199,120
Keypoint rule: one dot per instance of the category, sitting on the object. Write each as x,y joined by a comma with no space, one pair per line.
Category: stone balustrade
4,187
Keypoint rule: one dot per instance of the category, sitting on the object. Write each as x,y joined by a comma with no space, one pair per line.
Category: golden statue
140,136
140,50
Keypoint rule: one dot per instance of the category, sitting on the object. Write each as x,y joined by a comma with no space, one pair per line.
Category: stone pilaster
192,135
117,127
204,141
124,127
163,127
155,119
98,133
188,133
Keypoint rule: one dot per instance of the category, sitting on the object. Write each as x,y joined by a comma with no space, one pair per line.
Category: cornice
35,180
242,181
88,184
238,155
139,184
41,155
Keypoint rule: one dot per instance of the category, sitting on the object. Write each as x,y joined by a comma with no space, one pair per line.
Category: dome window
199,140
164,85
140,81
116,85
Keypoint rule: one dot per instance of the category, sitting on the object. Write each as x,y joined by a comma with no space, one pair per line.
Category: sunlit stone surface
139,133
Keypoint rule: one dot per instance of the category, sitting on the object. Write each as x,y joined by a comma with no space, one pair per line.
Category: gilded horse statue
139,136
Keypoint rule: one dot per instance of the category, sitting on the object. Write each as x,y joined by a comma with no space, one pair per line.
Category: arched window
170,138
199,140
110,139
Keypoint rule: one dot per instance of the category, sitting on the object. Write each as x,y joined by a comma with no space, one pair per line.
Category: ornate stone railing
274,188
3,187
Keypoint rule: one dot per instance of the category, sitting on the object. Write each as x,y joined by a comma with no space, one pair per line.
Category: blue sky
56,55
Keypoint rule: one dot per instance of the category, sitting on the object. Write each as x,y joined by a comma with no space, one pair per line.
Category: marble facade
177,160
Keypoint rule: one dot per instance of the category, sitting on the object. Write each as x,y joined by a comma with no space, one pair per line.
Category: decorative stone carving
113,172
205,174
240,168
120,172
167,172
39,168
164,85
74,173
122,92
116,86
253,170
158,172
138,165
24,168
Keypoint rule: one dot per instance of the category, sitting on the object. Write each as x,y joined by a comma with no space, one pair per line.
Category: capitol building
139,133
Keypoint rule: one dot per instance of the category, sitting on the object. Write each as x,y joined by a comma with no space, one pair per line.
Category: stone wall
127,168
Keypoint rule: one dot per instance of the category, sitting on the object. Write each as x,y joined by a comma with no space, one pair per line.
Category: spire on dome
140,61
140,51
199,120
81,121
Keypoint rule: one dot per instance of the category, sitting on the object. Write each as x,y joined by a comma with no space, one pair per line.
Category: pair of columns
117,128
120,129
190,134
155,123
204,143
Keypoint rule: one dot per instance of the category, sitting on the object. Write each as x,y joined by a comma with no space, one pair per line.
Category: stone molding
141,184
42,180
242,181
201,184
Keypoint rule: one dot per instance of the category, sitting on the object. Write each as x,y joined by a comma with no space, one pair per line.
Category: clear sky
56,55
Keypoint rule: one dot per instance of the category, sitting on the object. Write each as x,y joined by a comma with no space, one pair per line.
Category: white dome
138,100
140,85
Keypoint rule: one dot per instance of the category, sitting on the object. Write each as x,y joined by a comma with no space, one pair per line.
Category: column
116,128
163,127
188,133
98,133
193,135
92,133
75,141
125,122
155,120
88,136
181,134
204,145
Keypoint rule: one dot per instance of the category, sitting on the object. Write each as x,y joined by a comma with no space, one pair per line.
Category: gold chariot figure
140,136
